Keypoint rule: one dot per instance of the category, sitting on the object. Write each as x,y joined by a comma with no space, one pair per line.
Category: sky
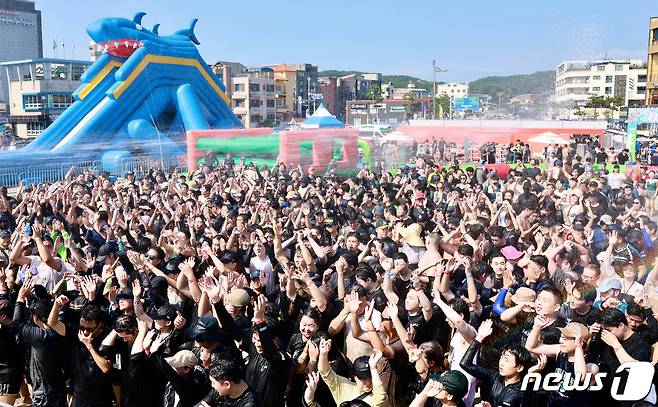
471,39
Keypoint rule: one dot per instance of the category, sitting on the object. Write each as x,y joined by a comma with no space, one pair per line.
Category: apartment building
452,89
652,64
253,97
577,81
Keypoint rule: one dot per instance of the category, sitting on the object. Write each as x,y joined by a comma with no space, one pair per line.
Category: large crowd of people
249,286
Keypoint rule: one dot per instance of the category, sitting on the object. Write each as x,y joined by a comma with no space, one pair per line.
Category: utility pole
435,69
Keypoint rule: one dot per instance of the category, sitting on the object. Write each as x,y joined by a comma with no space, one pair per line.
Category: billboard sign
397,109
358,106
316,96
464,104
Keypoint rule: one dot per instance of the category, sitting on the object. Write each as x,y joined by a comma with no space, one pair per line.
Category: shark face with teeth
120,37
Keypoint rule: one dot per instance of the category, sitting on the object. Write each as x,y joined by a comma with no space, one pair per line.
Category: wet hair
636,310
465,250
521,355
351,258
41,308
433,352
612,317
556,293
461,307
480,268
312,314
92,313
540,259
365,272
125,323
227,370
497,231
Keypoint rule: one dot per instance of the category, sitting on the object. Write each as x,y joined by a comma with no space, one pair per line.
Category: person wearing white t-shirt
616,180
47,270
260,267
462,337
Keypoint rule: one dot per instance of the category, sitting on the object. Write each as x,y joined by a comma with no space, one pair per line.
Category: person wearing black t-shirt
88,369
11,356
228,387
616,343
267,368
569,358
47,350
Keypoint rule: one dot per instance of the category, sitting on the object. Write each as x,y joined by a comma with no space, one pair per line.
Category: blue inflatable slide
138,99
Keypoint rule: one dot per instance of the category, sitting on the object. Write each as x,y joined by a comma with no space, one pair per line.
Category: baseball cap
361,368
455,383
608,284
238,298
104,251
166,312
573,329
511,253
182,358
606,219
381,224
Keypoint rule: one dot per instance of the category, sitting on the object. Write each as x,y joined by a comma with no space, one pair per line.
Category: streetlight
435,69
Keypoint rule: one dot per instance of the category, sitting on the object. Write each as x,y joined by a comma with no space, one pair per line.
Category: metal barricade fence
35,174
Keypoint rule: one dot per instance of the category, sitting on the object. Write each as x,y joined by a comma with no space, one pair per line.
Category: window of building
32,102
608,90
597,77
641,90
600,68
269,88
619,68
77,71
270,102
279,89
641,78
254,103
254,87
608,79
239,87
280,102
596,89
34,129
238,103
61,101
59,71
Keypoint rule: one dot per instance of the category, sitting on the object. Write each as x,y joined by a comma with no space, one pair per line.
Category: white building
452,89
419,93
577,81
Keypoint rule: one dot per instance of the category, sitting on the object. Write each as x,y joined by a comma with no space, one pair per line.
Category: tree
605,102
579,113
442,105
414,106
375,93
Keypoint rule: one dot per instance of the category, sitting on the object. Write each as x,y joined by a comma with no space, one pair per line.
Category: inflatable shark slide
138,99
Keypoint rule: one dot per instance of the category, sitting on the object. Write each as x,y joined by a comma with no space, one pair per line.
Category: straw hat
524,295
411,234
573,329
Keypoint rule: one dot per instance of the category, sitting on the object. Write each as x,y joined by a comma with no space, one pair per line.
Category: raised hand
137,288
259,308
325,346
486,329
312,380
540,365
432,388
62,300
180,321
26,288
